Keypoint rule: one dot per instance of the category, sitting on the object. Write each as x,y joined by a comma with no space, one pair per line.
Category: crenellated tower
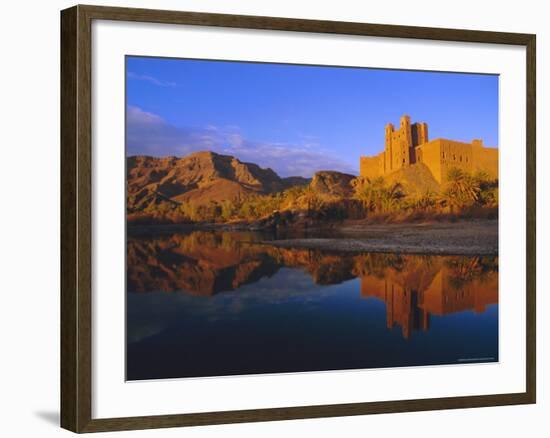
400,144
419,133
403,157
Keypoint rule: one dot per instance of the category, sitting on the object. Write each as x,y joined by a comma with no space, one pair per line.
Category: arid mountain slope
292,181
156,185
200,177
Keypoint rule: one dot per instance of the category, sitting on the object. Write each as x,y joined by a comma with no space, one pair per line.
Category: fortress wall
430,154
382,163
486,159
455,154
441,155
372,167
386,160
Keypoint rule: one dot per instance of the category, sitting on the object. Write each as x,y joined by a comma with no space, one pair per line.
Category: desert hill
416,179
200,177
329,182
292,181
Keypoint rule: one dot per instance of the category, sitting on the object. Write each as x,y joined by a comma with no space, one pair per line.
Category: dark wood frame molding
76,243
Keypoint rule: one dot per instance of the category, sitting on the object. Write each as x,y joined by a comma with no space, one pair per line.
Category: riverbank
467,237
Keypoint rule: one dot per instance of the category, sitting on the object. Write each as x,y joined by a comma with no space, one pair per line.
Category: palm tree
367,191
375,195
460,190
424,201
391,196
488,189
311,198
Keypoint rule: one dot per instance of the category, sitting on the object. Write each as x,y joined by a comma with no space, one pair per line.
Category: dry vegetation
373,200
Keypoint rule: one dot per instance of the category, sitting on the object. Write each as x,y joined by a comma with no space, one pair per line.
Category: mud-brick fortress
410,145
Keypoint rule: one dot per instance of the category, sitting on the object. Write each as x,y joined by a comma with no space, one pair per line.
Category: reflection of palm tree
377,264
464,270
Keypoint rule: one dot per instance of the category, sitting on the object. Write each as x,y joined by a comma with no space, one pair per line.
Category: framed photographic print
269,218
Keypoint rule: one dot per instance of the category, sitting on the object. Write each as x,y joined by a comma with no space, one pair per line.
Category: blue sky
296,119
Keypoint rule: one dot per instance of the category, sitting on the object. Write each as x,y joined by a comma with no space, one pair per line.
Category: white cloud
138,116
149,134
150,79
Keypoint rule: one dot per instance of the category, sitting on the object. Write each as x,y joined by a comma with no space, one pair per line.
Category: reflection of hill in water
413,287
206,263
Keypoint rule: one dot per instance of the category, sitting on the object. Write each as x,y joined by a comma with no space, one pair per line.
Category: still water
207,303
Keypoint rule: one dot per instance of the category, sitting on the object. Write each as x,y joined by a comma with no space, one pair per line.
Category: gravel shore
475,237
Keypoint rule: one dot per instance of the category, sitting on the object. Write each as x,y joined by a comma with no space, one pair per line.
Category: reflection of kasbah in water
412,287
437,286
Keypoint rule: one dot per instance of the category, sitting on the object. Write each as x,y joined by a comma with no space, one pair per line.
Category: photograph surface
298,218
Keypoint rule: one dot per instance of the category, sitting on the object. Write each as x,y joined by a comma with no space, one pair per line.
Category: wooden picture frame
76,217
